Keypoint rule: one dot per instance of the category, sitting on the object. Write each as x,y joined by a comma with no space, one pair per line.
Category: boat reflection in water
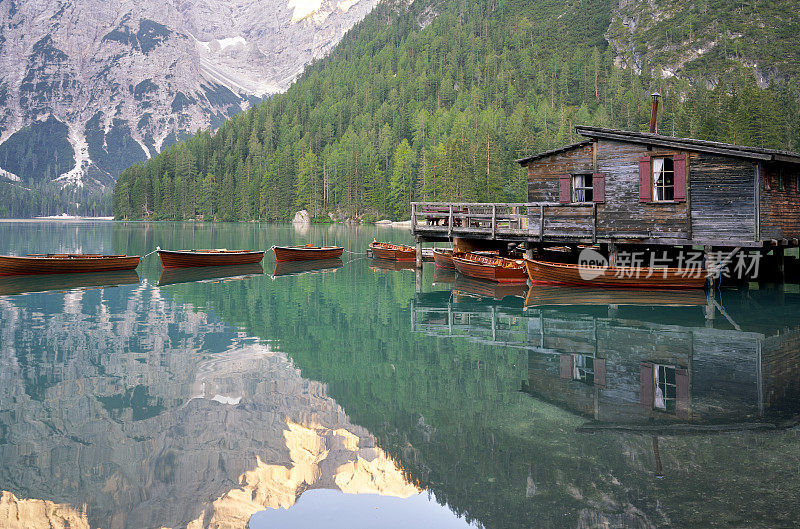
643,361
391,266
290,268
443,275
21,284
174,276
543,295
487,289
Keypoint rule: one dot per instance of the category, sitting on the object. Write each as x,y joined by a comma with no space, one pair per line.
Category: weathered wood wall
543,174
622,212
720,189
780,201
722,194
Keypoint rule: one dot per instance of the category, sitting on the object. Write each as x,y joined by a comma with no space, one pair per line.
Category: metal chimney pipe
654,112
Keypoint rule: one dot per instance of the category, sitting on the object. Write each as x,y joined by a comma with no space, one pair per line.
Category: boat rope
151,253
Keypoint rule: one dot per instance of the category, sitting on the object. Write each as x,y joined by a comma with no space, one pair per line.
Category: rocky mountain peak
88,87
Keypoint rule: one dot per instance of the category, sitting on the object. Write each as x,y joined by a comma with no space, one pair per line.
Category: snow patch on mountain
345,5
303,8
82,161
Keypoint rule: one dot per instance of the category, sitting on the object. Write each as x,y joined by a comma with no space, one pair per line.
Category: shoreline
57,217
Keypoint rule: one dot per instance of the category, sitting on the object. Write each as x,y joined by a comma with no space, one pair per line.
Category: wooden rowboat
306,253
613,277
443,258
499,269
183,258
392,252
65,263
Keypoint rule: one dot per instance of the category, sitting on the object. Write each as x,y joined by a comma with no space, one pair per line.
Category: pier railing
531,220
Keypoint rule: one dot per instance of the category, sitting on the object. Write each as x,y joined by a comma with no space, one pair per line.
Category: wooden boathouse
630,191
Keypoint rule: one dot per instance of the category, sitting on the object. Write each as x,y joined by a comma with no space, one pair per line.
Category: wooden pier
632,192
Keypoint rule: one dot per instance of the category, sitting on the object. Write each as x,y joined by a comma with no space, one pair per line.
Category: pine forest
434,101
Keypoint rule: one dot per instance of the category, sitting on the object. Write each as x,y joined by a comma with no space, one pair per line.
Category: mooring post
780,262
710,309
612,254
528,251
710,267
418,273
419,253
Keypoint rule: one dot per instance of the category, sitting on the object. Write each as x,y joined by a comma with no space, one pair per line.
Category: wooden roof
524,161
689,144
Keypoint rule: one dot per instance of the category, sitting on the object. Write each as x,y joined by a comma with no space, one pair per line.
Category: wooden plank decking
544,222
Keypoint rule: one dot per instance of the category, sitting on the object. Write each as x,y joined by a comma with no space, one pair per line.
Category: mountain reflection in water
200,403
152,417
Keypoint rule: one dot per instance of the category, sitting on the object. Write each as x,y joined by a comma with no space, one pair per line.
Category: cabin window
582,188
663,179
583,369
665,388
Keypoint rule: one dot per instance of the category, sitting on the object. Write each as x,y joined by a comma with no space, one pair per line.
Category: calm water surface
362,395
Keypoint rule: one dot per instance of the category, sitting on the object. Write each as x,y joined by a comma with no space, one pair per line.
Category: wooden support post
419,280
413,215
541,223
494,221
710,268
780,262
612,254
419,253
711,307
594,223
450,221
528,251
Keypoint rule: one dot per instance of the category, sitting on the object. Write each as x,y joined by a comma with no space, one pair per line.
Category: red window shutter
680,177
599,372
646,383
566,367
682,393
565,189
599,187
645,179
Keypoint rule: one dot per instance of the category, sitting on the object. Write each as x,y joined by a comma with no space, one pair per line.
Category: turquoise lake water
364,394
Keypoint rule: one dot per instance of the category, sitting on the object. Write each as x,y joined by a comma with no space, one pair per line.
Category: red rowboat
65,263
614,277
392,252
443,258
497,269
306,253
178,259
